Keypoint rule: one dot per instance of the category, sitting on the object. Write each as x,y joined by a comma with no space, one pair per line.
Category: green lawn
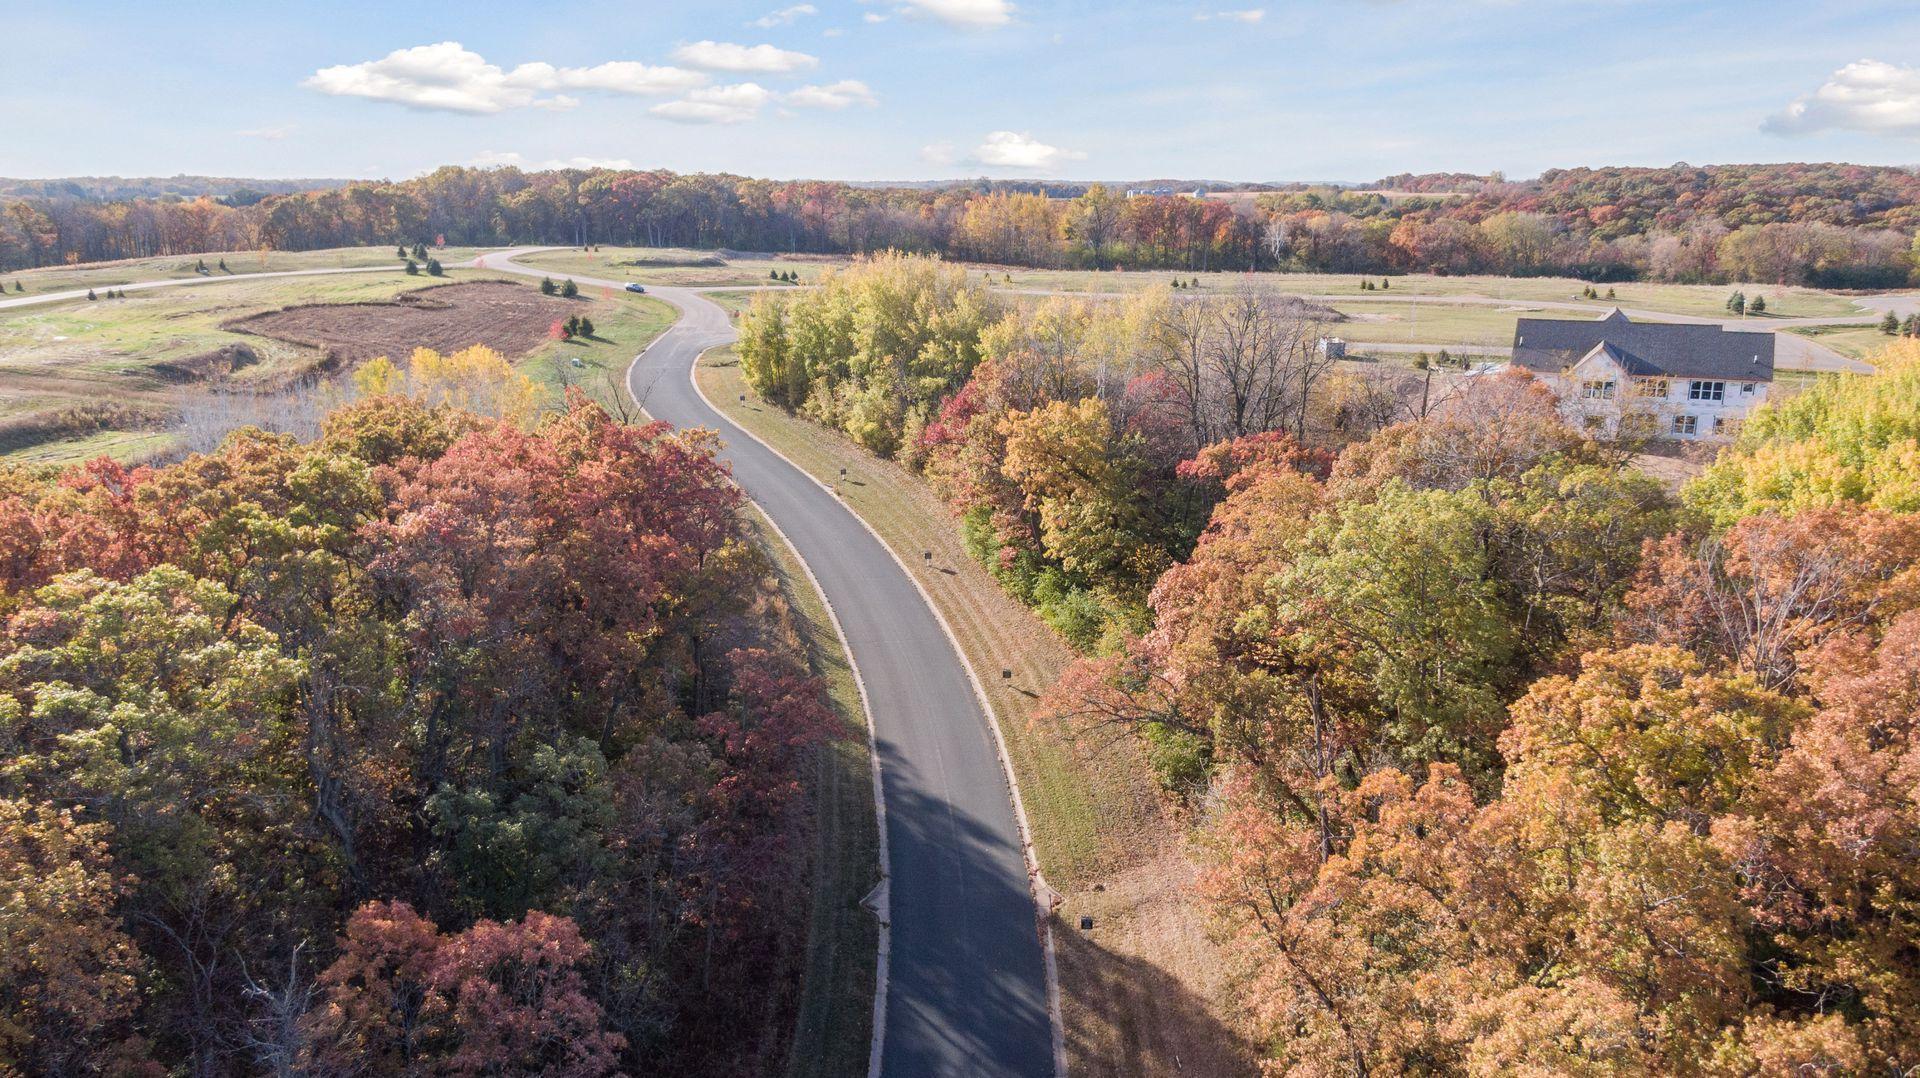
678,266
623,326
736,302
1703,300
1430,323
178,267
1856,342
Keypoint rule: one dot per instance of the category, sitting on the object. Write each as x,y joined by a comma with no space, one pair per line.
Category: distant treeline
116,188
1823,224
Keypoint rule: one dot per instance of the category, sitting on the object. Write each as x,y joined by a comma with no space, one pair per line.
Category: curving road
966,973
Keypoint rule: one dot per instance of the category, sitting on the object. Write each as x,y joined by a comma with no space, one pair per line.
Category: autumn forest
1842,226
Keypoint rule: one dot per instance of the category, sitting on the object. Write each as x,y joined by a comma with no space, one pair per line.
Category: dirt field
509,318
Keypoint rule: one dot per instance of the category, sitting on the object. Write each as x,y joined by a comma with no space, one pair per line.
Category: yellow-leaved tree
476,379
1849,439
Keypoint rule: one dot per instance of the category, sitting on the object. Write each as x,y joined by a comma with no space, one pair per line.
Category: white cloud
784,17
940,153
1868,96
725,56
837,95
1017,149
874,16
449,77
716,105
1246,15
271,134
616,76
498,158
833,31
968,13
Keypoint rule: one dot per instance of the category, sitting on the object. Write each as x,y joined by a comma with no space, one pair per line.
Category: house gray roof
1645,349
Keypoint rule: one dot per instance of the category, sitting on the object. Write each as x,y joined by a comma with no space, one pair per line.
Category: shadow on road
969,1001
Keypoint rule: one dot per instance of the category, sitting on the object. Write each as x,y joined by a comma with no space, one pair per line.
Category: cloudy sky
916,89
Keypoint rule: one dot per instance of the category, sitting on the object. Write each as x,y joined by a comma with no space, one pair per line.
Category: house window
1686,424
1706,391
1650,387
1746,389
1597,391
1719,424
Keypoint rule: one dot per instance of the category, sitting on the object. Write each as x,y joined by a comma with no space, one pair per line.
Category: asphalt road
967,986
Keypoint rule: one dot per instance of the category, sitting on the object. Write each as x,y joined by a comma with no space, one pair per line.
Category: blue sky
917,89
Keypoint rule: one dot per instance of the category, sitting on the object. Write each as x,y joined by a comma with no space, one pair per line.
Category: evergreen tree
1759,305
18,287
586,326
90,294
547,287
1737,303
1610,293
1910,327
1384,283
413,268
420,252
399,251
569,289
571,328
433,268
199,265
1890,325
223,266
773,275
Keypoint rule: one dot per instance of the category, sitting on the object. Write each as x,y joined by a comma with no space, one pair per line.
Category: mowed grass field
682,267
139,354
181,267
1856,342
1142,991
1707,301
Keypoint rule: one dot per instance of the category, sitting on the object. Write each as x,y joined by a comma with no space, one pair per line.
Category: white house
1686,381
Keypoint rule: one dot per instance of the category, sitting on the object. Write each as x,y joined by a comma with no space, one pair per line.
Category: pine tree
774,275
413,268
571,327
399,251
1910,327
569,289
199,265
1610,293
1759,305
1384,283
420,252
1737,303
586,326
17,287
433,268
223,266
547,287
90,294
1889,325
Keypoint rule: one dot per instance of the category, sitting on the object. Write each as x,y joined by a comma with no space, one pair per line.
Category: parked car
636,288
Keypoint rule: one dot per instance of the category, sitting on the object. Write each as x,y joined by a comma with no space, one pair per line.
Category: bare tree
1246,363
